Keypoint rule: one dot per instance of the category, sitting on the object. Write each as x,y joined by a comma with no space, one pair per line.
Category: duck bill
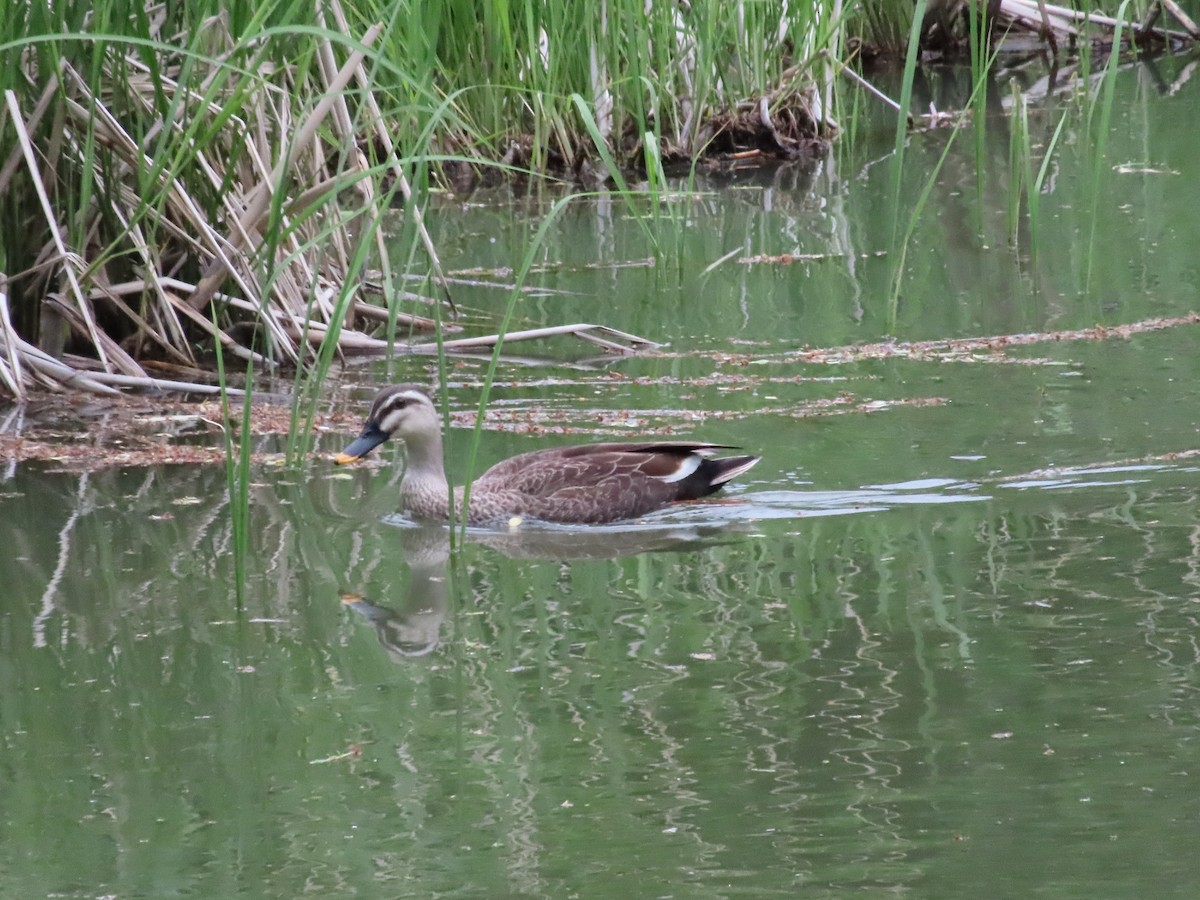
370,438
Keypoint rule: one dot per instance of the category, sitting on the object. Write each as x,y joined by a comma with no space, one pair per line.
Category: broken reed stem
581,330
857,79
1023,11
1182,18
52,373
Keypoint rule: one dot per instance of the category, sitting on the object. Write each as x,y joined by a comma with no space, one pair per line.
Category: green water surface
942,643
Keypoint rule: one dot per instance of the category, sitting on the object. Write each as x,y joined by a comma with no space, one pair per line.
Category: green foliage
887,24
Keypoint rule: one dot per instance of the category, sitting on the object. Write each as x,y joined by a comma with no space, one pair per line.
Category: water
942,642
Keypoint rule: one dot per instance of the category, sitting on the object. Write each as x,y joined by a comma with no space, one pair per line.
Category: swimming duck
587,484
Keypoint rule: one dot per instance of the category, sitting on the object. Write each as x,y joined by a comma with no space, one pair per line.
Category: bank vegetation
250,179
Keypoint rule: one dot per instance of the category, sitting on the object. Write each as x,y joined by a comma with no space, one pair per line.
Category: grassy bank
182,179
189,177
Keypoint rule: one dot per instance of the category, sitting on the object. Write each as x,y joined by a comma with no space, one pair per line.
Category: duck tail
723,470
710,476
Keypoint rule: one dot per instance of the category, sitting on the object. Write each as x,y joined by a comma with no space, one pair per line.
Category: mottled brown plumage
587,484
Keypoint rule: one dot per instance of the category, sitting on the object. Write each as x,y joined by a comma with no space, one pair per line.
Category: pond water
942,641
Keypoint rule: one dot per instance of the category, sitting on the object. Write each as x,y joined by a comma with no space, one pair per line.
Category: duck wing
604,482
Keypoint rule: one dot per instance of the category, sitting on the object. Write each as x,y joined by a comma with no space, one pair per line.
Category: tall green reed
904,115
237,474
1026,182
902,242
1098,122
977,45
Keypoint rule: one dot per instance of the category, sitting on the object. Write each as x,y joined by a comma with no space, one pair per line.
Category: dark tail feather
712,474
730,467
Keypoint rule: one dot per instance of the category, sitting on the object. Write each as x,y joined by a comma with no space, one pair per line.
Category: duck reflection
414,629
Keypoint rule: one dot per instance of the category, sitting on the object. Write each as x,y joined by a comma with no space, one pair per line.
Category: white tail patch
687,466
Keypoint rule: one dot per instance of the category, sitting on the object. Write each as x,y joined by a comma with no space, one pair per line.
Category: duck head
404,411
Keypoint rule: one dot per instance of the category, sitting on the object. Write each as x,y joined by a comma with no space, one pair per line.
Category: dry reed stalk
202,188
257,203
43,370
10,366
39,110
185,221
180,220
69,260
1182,18
384,136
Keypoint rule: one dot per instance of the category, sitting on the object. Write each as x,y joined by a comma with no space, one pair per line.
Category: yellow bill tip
343,459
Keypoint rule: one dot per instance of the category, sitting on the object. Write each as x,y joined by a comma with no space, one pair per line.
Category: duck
590,484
